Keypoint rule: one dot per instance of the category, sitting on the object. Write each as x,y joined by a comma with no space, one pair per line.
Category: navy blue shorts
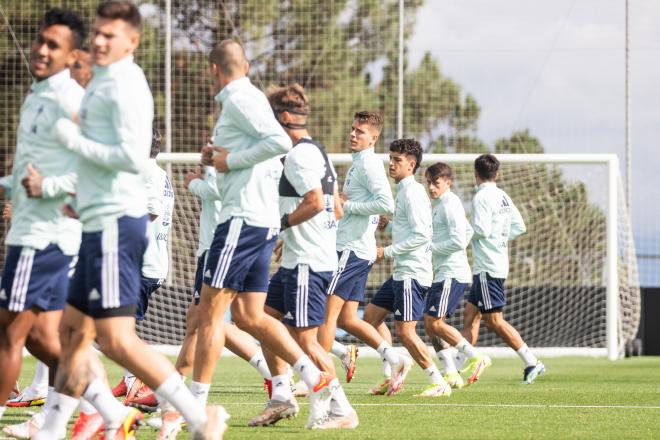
350,280
199,276
444,297
487,293
108,275
33,278
300,295
403,298
147,287
239,257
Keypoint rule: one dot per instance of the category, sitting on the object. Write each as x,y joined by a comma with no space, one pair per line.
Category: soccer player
496,221
366,195
451,235
247,140
112,146
41,241
403,293
297,292
81,70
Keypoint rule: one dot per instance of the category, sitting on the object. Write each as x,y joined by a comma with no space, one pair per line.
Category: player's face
438,186
81,69
112,40
52,51
401,165
361,136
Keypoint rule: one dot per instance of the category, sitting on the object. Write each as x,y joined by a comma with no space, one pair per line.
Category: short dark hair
156,140
68,18
409,147
373,119
292,99
438,170
486,166
121,10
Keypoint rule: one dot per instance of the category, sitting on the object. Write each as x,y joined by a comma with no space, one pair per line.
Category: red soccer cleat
87,426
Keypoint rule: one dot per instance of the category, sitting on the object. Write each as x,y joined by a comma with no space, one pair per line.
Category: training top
369,195
112,143
206,189
451,235
160,202
495,220
313,242
37,222
249,131
411,233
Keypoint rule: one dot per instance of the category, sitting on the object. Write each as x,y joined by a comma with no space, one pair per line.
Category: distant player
41,242
112,144
451,235
81,70
496,221
403,293
309,207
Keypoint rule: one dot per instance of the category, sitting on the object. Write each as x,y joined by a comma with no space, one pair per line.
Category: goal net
560,278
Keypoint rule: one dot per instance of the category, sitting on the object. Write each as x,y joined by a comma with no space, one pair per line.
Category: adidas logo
433,309
94,295
207,273
480,304
3,294
397,313
288,315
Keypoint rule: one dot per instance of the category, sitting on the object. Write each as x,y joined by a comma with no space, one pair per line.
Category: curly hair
292,99
409,147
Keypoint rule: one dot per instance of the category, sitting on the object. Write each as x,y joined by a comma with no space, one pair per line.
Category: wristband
284,222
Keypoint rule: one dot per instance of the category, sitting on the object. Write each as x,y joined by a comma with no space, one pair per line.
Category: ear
135,40
72,57
374,139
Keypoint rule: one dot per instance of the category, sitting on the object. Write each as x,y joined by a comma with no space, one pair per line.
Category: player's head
290,105
405,158
227,62
439,177
81,69
156,140
116,31
61,32
486,168
365,129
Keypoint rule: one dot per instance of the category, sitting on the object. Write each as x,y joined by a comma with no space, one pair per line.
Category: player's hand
383,222
207,154
277,251
343,198
192,175
220,159
380,253
33,182
6,211
68,211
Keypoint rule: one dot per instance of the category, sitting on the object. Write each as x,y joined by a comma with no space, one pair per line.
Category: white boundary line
473,405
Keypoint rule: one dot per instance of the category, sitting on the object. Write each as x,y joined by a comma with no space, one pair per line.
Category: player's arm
304,170
517,223
154,187
418,215
457,225
382,201
57,186
482,217
5,186
271,140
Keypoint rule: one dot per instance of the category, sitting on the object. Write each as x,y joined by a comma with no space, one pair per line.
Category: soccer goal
573,287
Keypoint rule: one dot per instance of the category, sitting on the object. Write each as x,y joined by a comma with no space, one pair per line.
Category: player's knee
493,320
113,346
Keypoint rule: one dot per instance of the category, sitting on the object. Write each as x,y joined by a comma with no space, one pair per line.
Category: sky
558,68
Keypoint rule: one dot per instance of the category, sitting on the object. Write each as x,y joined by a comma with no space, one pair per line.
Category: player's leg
243,345
328,329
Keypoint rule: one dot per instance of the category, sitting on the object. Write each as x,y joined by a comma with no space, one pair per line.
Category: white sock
40,380
200,391
59,413
100,396
446,357
282,388
388,353
174,391
128,375
339,405
466,348
259,363
460,360
2,410
434,375
86,407
385,367
527,356
307,371
338,349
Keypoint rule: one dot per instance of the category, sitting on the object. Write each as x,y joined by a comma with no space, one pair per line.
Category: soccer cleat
275,411
87,426
454,380
127,428
320,396
399,377
531,373
268,387
299,389
147,403
137,391
26,429
30,396
216,424
349,361
120,389
436,390
172,423
381,388
475,367
349,421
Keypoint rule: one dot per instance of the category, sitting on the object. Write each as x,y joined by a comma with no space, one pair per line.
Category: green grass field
576,398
